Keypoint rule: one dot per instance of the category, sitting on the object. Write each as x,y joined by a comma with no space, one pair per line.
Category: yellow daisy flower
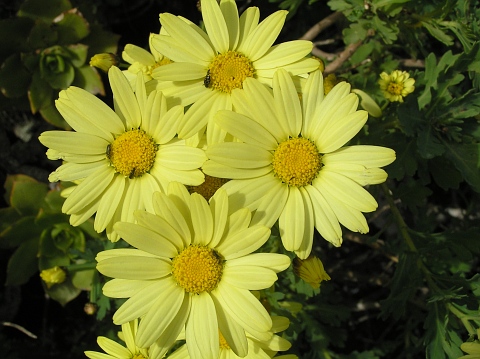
209,65
142,60
257,349
396,86
193,268
115,350
121,156
311,270
291,165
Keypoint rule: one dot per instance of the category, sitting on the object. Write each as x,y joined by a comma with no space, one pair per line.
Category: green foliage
47,51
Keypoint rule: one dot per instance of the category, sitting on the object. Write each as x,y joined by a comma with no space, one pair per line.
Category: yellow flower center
208,188
132,153
223,342
395,88
297,161
228,71
197,269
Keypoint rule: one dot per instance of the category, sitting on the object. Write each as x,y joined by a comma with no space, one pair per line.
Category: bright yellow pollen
395,88
223,342
297,161
208,188
197,269
132,153
228,71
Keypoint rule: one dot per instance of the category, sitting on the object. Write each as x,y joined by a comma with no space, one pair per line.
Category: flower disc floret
197,269
132,153
297,161
227,71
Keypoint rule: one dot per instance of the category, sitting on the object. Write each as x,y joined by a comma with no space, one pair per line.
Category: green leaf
355,33
53,202
87,77
437,33
444,179
52,116
388,32
409,116
83,279
405,283
64,292
465,157
406,163
72,27
14,77
441,341
37,9
40,93
27,197
8,216
23,263
100,41
429,146
19,231
42,35
18,30
77,54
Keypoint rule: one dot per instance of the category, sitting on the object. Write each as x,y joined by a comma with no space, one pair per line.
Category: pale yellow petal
164,309
263,36
126,105
180,157
274,261
239,155
74,142
132,53
123,288
215,25
284,54
246,129
186,37
109,202
272,203
292,220
287,102
181,71
368,156
243,242
307,242
248,22
248,277
216,169
230,13
113,348
201,331
219,209
312,97
202,219
142,268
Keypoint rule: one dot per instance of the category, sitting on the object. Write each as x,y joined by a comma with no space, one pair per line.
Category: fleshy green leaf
23,263
72,27
88,78
38,10
40,93
27,197
14,77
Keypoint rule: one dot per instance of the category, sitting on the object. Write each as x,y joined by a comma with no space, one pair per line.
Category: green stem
81,266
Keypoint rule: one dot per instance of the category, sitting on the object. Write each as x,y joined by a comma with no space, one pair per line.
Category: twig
342,57
323,55
378,246
321,25
412,63
22,329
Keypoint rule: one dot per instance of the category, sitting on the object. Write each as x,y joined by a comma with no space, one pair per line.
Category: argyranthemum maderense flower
121,156
291,165
396,86
142,60
115,350
209,65
193,268
257,349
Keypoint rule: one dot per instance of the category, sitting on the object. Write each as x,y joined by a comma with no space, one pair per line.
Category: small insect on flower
107,152
132,173
206,80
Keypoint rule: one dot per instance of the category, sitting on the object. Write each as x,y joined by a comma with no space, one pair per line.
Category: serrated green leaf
405,282
355,33
429,146
388,32
23,263
445,179
437,33
465,157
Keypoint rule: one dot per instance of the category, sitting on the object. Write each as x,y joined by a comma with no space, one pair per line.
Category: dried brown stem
342,57
321,25
20,328
413,63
